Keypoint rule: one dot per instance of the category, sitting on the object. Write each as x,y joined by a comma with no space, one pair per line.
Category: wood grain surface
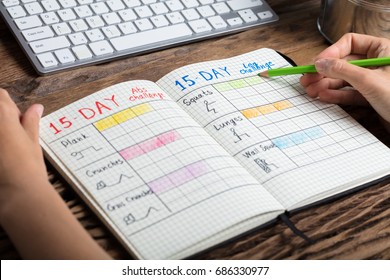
354,227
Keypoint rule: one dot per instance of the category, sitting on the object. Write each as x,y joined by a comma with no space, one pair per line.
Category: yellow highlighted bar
281,105
141,109
105,123
124,116
251,113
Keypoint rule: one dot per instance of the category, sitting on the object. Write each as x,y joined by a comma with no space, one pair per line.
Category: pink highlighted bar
178,177
150,145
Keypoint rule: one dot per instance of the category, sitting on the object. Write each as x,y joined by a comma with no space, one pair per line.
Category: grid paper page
153,172
300,149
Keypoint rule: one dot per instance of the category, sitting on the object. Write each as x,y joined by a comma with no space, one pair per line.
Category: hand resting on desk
32,213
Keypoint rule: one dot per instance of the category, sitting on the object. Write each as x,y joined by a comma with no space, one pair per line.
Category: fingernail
321,65
39,109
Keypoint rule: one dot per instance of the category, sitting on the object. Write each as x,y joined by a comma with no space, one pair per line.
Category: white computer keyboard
62,34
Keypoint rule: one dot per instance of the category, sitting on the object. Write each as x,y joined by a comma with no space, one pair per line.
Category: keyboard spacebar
151,36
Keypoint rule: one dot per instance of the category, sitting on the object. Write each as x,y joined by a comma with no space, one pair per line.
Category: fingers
30,121
324,84
343,97
11,116
362,79
8,110
356,46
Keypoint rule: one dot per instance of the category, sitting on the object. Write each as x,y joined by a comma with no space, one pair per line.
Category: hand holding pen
338,81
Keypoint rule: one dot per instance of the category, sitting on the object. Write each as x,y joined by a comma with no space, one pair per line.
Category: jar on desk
338,17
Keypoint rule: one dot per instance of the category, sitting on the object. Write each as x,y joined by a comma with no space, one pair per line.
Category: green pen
370,62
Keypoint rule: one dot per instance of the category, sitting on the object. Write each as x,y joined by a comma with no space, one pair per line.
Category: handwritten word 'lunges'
228,123
206,76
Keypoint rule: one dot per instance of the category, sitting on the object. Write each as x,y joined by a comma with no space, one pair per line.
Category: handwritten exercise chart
269,125
145,160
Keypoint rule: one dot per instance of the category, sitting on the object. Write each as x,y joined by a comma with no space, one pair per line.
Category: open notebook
208,152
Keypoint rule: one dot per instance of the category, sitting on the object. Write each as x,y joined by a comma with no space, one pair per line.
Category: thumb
30,121
357,77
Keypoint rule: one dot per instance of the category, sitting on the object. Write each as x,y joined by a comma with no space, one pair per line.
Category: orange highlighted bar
281,105
251,113
266,109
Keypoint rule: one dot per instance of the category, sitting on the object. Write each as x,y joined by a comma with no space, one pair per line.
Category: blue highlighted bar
299,137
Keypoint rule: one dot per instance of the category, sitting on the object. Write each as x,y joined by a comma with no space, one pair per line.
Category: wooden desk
355,227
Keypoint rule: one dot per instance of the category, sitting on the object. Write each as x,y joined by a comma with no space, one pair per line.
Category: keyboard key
132,3
78,38
159,8
234,21
101,48
9,3
47,60
100,8
206,11
191,14
111,18
94,35
50,18
50,5
174,5
115,5
16,12
221,8
190,3
95,21
265,15
78,25
33,8
127,28
248,15
217,22
61,28
67,14
143,24
159,21
158,35
200,25
127,15
236,5
82,52
175,17
64,56
68,3
83,11
38,33
143,12
51,44
28,22
111,31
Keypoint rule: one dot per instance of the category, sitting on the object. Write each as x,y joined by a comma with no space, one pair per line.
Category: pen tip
263,74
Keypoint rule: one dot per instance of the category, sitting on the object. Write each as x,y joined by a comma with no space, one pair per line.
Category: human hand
343,83
21,161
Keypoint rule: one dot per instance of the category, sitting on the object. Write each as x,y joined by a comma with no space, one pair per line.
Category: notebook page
157,178
300,149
